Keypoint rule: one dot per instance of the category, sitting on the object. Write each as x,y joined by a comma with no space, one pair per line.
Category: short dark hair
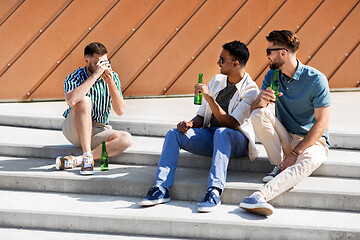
284,38
238,50
95,47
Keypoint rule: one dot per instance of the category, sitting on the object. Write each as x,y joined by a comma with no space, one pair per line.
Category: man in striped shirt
90,92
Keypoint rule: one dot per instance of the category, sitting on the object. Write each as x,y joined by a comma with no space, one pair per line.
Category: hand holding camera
107,75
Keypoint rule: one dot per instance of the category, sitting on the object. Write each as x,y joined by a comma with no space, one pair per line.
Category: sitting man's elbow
69,100
120,111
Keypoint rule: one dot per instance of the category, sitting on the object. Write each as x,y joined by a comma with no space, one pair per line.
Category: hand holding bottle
271,95
198,95
266,96
201,88
275,85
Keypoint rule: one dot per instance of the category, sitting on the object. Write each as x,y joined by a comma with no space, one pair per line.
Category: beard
276,65
90,69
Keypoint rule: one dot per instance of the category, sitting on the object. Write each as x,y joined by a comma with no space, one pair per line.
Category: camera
107,63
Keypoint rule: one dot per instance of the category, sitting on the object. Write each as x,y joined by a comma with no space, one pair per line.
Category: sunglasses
269,50
221,60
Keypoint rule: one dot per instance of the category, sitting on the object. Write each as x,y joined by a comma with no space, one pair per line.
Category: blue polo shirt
306,90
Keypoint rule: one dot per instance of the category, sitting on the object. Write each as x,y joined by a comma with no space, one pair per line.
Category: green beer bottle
198,97
104,158
275,85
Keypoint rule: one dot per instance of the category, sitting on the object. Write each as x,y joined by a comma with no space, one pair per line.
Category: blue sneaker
272,174
155,196
210,202
257,204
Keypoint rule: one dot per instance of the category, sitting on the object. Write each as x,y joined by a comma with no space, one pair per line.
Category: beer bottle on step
275,85
104,158
198,96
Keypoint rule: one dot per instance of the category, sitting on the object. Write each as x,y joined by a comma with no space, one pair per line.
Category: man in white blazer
221,129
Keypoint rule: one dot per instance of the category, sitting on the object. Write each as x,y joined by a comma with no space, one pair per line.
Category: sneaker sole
148,203
57,163
208,209
263,209
86,172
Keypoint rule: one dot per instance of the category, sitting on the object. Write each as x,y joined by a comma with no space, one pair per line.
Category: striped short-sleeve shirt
99,94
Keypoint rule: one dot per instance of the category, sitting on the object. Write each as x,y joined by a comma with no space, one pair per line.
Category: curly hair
238,50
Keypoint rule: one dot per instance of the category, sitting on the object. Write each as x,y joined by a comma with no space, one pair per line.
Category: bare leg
116,143
83,123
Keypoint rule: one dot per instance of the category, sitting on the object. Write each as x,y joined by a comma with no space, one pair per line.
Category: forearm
263,99
196,122
315,133
322,117
118,102
255,105
222,117
310,139
75,96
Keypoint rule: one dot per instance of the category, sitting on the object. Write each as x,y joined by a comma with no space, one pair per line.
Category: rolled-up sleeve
201,110
243,109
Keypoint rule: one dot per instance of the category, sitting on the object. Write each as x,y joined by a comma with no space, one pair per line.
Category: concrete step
43,143
340,139
190,184
134,126
19,233
154,117
122,215
150,118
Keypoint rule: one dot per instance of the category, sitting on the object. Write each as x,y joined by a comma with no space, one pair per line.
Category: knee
172,133
222,132
84,103
125,139
259,115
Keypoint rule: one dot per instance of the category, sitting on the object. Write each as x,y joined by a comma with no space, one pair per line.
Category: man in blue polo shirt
296,139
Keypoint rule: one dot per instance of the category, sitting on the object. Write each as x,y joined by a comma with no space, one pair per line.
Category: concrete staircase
33,195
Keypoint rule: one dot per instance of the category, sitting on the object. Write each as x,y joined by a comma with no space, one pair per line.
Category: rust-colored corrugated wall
159,46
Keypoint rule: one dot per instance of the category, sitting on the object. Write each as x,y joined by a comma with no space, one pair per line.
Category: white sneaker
87,165
67,162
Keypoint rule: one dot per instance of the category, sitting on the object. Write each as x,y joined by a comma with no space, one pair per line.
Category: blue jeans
220,143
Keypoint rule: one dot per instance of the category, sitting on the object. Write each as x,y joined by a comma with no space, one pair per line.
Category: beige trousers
279,143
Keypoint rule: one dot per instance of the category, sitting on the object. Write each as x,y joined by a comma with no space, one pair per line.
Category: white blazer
239,106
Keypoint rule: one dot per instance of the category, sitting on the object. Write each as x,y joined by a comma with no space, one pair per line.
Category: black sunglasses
269,50
221,60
